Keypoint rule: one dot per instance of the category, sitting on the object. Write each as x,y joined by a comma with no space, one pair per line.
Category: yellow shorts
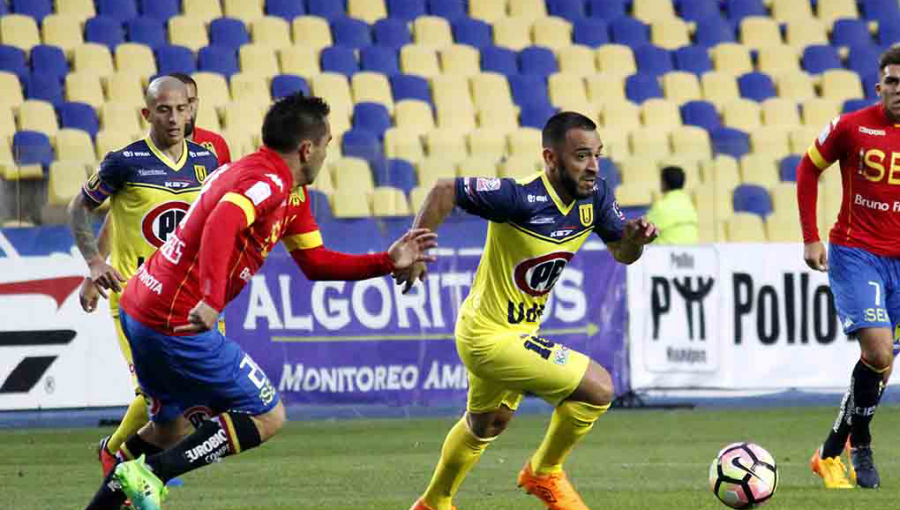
502,365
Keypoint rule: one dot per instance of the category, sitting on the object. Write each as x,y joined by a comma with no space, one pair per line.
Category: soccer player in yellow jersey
536,226
150,184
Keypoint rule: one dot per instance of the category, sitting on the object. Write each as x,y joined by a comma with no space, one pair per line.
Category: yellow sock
135,418
571,421
460,453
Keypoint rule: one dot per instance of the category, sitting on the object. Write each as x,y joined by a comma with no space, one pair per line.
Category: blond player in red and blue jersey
862,262
537,224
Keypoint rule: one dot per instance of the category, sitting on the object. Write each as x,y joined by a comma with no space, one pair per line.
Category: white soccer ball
743,475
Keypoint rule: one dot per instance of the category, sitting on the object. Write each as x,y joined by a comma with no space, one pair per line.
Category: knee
486,425
880,357
598,386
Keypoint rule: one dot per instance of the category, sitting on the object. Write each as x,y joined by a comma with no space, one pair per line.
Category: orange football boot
554,490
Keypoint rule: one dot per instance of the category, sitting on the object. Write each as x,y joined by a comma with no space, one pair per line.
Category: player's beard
189,128
570,184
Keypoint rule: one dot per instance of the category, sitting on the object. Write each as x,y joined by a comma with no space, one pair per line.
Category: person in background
674,214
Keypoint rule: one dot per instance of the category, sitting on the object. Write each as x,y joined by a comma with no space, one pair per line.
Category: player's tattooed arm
102,275
437,206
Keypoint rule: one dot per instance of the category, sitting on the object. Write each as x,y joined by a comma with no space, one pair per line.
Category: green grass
631,460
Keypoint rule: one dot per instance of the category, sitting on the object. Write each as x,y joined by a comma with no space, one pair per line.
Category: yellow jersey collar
564,209
164,158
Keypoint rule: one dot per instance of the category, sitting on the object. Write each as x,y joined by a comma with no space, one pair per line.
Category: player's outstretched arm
636,234
437,206
814,253
104,276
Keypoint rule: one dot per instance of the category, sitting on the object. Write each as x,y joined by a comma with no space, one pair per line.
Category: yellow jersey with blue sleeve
149,195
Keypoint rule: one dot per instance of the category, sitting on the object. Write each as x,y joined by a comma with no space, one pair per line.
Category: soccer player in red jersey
170,308
209,139
862,261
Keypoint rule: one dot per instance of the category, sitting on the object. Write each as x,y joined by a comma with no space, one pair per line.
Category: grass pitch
631,460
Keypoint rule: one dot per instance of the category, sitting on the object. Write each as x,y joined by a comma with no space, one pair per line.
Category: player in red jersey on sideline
203,137
862,262
170,308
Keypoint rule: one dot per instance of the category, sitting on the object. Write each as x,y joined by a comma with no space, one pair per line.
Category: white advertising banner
734,316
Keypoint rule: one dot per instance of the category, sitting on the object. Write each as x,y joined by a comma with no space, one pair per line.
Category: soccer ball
743,475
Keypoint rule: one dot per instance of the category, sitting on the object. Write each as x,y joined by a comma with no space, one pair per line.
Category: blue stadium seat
537,60
888,31
696,10
147,31
752,199
228,32
372,117
740,9
398,173
328,9
499,59
730,141
880,9
407,10
37,9
339,59
79,116
13,60
653,60
473,32
175,59
104,30
363,144
869,81
285,9
590,32
787,168
119,10
160,9
629,31
852,105
529,90
692,59
379,59
49,60
218,59
321,208
641,87
610,172
712,31
701,114
756,86
287,84
407,86
391,32
4,8
351,32
536,116
863,59
607,9
44,87
572,10
32,148
818,58
450,9
851,32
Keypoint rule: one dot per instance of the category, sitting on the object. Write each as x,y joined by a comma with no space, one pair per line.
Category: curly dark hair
554,133
891,56
293,119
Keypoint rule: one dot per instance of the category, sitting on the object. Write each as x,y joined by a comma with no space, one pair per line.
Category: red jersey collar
275,160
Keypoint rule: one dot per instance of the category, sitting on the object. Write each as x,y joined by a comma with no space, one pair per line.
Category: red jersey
867,145
214,142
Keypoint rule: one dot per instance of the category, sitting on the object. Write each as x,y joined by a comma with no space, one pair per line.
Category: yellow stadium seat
784,199
770,140
189,32
455,119
311,32
335,90
324,182
649,11
352,175
774,60
271,31
477,167
616,59
830,10
414,115
212,89
500,117
691,141
690,165
566,88
7,125
587,109
110,141
244,10
75,145
795,85
640,171
125,87
552,32
64,182
259,60
817,112
372,88
432,31
615,143
403,143
512,33
417,197
488,11
745,228
660,113
208,118
710,227
802,138
783,228
452,91
802,33
759,169
719,88
841,85
791,10
487,143
369,11
460,60
300,60
650,142
758,32
203,10
79,9
489,90
12,95
670,33
446,143
634,195
577,60
528,9
348,205
732,58
723,175
92,58
681,86
136,59
121,117
84,88
63,31
603,89
517,167
388,201
419,60
717,198
780,112
20,31
432,169
250,87
524,141
242,116
742,114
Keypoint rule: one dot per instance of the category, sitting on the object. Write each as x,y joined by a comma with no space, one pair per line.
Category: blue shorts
866,288
181,373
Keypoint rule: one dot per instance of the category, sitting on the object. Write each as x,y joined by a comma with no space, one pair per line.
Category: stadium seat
752,199
414,115
851,32
610,172
737,10
243,10
271,31
537,60
242,116
373,88
379,59
641,87
551,32
339,59
125,87
781,113
32,148
712,31
888,31
515,167
65,179
311,31
650,142
362,144
487,143
652,10
347,205
639,171
759,31
43,88
335,89
528,9
830,11
327,9
732,58
653,60
7,129
259,60
160,9
473,32
13,60
299,60
791,10
487,90
135,58
787,168
701,114
512,33
404,144
419,60
45,60
795,85
629,32
756,86
251,89
287,84
36,9
572,10
217,59
406,10
566,88
285,9
228,33
75,145
92,58
616,59
862,59
477,167
817,112
745,228
759,169
432,169
695,10
590,32
783,228
79,116
391,33
109,141
841,85
489,12
367,10
680,87
879,9
820,58
77,9
405,86
119,117
432,31
869,83
622,115
147,31
607,9
692,142
801,138
670,33
372,117
399,174
577,60
499,60
84,87
730,141
62,31
774,60
456,119
529,90
201,10
852,105
212,89
775,142
693,59
660,113
389,201
536,116
450,9
460,60
636,195
352,174
721,176
351,32
174,59
104,30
